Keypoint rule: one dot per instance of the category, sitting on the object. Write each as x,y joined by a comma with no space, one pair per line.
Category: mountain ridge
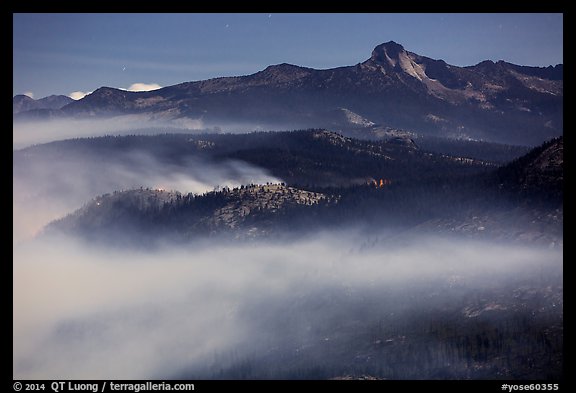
483,203
23,103
496,102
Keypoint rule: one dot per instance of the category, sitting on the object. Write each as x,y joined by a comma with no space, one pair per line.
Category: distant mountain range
395,88
22,103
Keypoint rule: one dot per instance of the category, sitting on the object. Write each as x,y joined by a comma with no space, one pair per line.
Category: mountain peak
393,45
23,103
105,90
387,52
283,73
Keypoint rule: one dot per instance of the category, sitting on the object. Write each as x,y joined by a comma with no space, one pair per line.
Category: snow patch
355,118
408,66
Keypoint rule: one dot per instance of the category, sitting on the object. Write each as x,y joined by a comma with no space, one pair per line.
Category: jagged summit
395,59
388,53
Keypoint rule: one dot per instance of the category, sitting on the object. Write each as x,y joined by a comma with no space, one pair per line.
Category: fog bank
87,313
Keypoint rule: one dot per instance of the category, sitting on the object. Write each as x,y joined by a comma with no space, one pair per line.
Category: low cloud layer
144,87
27,133
86,313
77,95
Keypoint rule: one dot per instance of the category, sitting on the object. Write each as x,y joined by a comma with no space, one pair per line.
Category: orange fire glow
381,183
